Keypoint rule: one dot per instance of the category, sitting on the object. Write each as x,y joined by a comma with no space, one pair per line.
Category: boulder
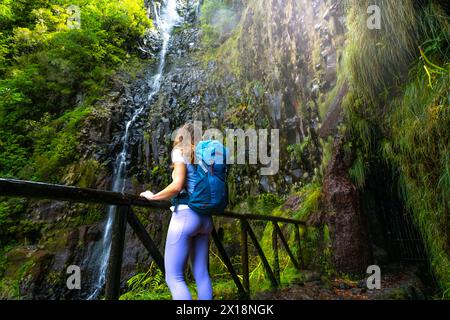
351,251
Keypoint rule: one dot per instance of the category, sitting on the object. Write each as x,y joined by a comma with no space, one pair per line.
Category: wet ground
398,283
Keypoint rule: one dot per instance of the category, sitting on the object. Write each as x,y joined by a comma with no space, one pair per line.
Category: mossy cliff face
275,68
268,66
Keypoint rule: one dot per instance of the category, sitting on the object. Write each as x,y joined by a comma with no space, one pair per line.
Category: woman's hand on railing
147,195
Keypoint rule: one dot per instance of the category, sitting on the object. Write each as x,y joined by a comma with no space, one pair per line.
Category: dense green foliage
55,60
402,118
51,67
418,149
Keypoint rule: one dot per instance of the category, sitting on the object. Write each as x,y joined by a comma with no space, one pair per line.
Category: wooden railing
124,214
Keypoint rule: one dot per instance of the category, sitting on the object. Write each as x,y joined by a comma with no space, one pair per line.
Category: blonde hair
184,141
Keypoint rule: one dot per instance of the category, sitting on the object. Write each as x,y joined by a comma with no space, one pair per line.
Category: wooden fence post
244,257
299,244
226,260
286,246
276,259
269,272
112,290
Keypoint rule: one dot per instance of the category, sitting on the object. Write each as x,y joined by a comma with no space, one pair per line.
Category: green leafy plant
147,286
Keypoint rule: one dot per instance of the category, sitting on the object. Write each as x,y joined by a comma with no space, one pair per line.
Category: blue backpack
210,193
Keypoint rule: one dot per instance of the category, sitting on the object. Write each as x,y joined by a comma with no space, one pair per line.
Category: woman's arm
178,179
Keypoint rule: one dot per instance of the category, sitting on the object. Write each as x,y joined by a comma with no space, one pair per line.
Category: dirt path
399,284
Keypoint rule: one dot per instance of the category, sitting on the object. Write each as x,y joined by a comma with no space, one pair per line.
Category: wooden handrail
39,190
125,202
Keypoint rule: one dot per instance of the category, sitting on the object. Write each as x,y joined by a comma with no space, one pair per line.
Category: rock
351,251
311,276
33,286
264,182
297,173
362,283
288,180
335,114
344,286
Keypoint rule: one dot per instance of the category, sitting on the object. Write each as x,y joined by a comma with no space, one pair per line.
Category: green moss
83,173
403,121
16,263
88,215
358,171
378,59
12,225
298,151
310,200
264,203
422,115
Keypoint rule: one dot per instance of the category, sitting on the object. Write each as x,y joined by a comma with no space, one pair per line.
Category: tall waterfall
166,17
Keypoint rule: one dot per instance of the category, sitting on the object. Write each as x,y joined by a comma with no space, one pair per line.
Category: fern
145,284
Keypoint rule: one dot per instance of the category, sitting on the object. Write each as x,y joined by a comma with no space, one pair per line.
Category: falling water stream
165,19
